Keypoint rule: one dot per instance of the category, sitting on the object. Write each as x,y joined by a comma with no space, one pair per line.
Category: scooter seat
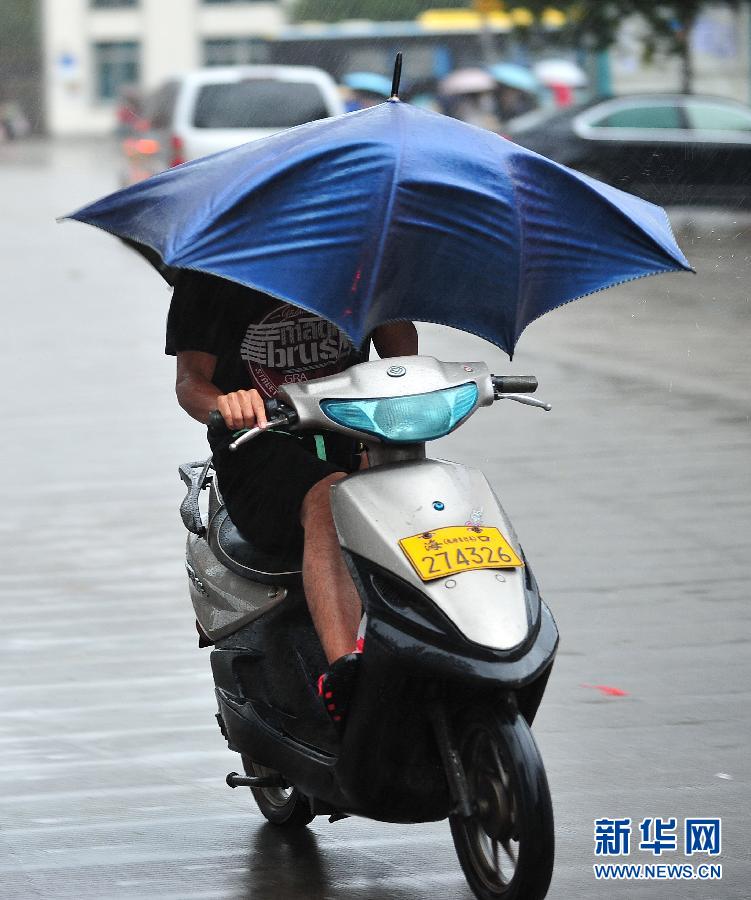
240,555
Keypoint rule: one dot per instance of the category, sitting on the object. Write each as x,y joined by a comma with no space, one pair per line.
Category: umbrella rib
619,280
646,239
521,261
643,236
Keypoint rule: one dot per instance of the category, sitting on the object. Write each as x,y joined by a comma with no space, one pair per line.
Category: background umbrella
395,213
466,81
517,77
370,82
560,72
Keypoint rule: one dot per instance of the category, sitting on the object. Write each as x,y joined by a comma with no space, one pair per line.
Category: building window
116,63
111,4
234,51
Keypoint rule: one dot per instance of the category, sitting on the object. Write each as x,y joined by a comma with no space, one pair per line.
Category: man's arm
396,339
199,396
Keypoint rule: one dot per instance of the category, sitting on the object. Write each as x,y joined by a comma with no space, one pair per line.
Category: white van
216,108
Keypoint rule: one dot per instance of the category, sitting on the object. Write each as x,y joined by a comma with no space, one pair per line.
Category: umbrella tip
397,77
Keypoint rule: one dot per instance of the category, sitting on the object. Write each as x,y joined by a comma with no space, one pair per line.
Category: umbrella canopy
561,72
513,76
395,213
466,81
370,82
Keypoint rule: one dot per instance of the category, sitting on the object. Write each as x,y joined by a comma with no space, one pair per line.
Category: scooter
458,645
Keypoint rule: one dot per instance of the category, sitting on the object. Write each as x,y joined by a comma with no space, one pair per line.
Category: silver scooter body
401,494
374,509
224,599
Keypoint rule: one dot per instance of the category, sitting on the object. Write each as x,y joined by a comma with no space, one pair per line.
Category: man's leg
333,600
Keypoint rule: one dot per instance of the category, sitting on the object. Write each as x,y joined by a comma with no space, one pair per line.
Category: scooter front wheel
506,846
286,807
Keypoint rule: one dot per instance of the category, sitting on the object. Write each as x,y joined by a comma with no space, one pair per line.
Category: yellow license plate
458,548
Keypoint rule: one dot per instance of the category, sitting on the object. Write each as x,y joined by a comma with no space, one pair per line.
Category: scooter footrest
261,781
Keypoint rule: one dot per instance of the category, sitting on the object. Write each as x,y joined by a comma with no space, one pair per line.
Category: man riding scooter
234,348
385,214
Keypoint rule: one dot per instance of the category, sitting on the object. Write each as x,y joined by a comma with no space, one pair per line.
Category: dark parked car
668,148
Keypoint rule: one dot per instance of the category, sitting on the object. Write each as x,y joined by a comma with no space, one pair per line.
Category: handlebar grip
216,423
274,409
514,384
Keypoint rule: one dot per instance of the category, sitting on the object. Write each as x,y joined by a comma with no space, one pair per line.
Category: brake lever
257,429
526,400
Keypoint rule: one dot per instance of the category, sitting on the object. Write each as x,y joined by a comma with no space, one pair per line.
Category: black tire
285,807
506,848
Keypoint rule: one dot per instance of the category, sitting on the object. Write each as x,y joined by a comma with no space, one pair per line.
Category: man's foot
336,686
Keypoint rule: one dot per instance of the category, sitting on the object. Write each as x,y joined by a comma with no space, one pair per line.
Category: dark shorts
265,481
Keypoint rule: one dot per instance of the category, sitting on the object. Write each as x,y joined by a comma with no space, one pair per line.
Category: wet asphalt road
632,499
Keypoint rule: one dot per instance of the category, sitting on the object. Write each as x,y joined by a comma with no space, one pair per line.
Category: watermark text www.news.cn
694,837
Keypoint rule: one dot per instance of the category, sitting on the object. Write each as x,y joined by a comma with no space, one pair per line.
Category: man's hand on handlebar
242,409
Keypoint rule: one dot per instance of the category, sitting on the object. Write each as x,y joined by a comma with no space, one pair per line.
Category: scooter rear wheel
286,807
506,847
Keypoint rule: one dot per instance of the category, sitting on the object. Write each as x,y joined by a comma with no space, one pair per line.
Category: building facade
94,48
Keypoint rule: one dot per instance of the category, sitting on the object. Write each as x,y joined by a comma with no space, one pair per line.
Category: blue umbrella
392,213
370,82
514,76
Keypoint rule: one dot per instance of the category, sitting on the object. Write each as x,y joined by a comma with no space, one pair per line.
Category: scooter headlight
406,420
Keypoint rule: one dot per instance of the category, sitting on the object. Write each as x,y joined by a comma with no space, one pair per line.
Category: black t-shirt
259,342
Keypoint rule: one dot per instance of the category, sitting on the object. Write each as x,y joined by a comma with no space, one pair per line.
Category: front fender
374,509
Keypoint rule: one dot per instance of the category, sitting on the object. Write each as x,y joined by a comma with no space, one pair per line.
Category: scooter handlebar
284,415
277,414
514,384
